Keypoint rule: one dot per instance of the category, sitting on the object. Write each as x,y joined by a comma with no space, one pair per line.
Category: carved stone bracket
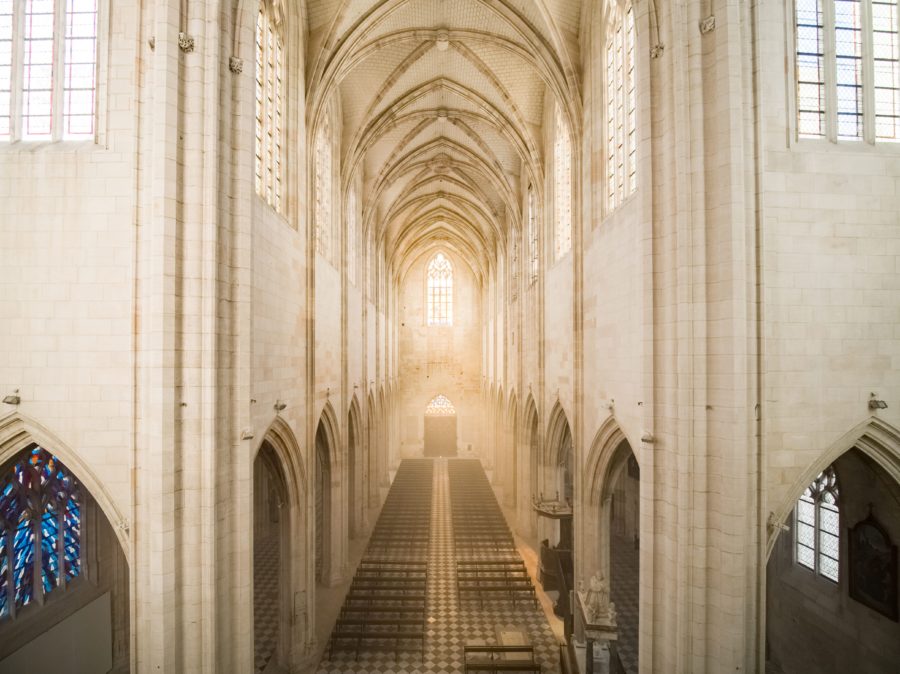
236,65
708,25
186,43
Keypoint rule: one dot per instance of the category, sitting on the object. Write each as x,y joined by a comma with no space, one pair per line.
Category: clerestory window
439,299
352,235
848,69
269,105
323,189
562,191
48,69
533,236
818,526
621,117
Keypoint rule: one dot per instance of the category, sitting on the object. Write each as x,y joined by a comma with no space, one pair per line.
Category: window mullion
831,105
58,70
868,79
18,71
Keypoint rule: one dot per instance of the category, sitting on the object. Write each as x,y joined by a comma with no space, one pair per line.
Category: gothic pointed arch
875,438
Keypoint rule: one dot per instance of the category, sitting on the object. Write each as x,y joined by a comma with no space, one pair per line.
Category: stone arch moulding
557,426
283,441
874,437
603,459
329,421
17,431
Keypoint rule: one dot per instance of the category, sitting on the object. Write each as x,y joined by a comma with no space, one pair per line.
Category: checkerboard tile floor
624,592
451,625
265,601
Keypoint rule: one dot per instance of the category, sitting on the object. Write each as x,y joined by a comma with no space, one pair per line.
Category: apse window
439,298
48,69
818,526
848,69
621,110
40,530
269,105
562,192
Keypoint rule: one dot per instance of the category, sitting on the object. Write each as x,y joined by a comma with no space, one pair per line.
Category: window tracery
323,189
440,291
562,193
440,406
269,105
848,69
40,530
48,90
818,526
621,106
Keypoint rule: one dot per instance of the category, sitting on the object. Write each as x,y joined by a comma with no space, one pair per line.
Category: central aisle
451,624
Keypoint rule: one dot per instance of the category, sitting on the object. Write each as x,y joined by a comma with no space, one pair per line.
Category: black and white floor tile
265,601
624,592
451,625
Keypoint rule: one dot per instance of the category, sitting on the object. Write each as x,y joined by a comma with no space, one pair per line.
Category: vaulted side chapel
449,336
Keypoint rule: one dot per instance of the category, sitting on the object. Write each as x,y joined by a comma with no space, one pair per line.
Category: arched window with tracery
40,530
514,264
621,118
352,235
847,69
323,189
818,525
440,406
269,104
439,299
48,69
562,191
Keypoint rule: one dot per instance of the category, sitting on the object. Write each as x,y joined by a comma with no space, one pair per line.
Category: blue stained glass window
38,496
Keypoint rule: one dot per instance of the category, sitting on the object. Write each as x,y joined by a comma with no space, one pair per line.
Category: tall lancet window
352,235
439,299
323,189
818,526
48,69
40,530
562,190
533,236
269,105
621,117
847,64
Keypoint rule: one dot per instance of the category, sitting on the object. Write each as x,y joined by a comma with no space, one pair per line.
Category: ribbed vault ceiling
442,105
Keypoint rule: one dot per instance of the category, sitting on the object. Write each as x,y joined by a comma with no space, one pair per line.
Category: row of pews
386,606
488,565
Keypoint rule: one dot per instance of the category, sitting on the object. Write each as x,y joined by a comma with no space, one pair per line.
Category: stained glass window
818,526
269,106
40,530
439,298
48,69
864,56
562,195
323,189
440,406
